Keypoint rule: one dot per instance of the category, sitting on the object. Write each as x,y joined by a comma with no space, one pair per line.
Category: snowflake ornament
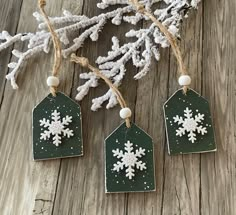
129,159
190,125
56,128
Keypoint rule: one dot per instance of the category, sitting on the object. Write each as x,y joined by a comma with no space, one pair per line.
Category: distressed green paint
117,181
70,147
176,106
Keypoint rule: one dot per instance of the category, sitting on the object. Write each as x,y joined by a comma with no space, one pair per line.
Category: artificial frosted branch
73,30
145,46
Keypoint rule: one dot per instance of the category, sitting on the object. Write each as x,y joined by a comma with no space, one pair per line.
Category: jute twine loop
42,3
84,62
141,9
56,44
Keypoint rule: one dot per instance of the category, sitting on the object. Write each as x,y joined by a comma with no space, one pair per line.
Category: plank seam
9,59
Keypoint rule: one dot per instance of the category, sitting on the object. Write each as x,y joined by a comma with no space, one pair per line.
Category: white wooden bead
125,113
53,81
184,80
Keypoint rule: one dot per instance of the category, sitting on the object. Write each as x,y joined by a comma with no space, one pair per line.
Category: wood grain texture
186,184
9,21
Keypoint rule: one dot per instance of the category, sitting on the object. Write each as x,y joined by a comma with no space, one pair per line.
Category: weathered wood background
189,184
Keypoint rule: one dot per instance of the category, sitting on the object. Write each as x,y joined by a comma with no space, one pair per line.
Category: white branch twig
73,30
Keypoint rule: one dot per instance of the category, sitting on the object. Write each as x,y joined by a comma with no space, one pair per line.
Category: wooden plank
148,108
148,114
181,179
218,187
27,187
10,12
81,182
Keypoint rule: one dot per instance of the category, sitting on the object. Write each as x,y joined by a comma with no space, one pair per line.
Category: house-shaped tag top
188,123
57,128
129,161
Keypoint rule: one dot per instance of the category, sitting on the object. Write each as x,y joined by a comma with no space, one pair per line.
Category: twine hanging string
141,9
56,44
84,62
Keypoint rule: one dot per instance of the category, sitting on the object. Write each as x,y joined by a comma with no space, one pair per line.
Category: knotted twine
141,9
56,44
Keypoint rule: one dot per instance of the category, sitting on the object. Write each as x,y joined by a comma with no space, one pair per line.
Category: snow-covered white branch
140,51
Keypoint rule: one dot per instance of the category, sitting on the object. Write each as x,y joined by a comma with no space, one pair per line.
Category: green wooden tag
57,129
188,124
129,165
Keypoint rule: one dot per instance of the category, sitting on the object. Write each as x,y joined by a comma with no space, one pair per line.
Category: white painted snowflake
56,128
129,159
190,125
